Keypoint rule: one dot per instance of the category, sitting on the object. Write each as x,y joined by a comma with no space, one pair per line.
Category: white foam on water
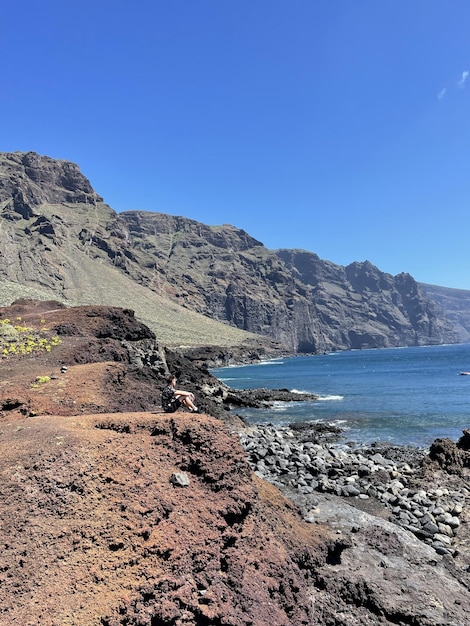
330,398
279,406
273,362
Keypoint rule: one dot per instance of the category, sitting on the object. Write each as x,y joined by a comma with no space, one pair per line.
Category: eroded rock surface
115,514
95,531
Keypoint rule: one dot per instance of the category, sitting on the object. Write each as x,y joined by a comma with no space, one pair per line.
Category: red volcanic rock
94,531
88,369
115,514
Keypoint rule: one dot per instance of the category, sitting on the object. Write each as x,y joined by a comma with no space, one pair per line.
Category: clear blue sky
337,126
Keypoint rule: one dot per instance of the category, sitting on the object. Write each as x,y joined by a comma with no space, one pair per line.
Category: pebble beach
298,460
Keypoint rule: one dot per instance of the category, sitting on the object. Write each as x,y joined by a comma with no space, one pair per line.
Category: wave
330,398
279,406
243,365
270,362
325,398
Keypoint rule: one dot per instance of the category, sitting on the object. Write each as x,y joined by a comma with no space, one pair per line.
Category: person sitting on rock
173,399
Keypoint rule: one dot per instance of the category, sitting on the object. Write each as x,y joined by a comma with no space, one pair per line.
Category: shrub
21,340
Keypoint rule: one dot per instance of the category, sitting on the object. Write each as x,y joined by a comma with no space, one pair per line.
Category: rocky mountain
307,304
61,241
455,304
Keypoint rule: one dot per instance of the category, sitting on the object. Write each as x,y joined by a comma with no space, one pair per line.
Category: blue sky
337,126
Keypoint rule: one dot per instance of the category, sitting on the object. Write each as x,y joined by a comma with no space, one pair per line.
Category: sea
400,396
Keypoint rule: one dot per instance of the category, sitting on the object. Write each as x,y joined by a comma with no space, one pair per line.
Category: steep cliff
455,305
61,241
359,306
302,301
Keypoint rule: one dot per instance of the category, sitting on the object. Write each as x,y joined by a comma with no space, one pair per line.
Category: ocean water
403,396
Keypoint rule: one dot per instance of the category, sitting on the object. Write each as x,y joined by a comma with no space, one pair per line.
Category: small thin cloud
463,79
442,93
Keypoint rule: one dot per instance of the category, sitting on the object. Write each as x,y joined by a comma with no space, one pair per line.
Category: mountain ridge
52,251
206,285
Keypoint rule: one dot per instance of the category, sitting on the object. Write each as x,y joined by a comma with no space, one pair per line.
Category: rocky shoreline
423,492
304,462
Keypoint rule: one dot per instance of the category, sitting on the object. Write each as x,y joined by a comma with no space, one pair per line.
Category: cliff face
305,303
62,241
455,304
28,180
359,306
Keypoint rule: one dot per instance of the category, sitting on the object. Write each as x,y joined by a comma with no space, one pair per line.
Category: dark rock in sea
316,432
263,398
451,457
464,442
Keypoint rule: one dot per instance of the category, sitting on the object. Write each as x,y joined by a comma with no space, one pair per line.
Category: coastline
402,484
100,529
403,396
411,492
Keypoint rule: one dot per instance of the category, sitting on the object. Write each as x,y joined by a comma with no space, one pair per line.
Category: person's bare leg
187,402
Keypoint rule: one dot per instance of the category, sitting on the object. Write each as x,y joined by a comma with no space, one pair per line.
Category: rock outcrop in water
452,457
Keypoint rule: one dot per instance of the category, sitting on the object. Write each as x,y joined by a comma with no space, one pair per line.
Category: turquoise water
398,395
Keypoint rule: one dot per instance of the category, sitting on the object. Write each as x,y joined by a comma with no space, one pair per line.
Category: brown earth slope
115,514
93,529
79,360
96,533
